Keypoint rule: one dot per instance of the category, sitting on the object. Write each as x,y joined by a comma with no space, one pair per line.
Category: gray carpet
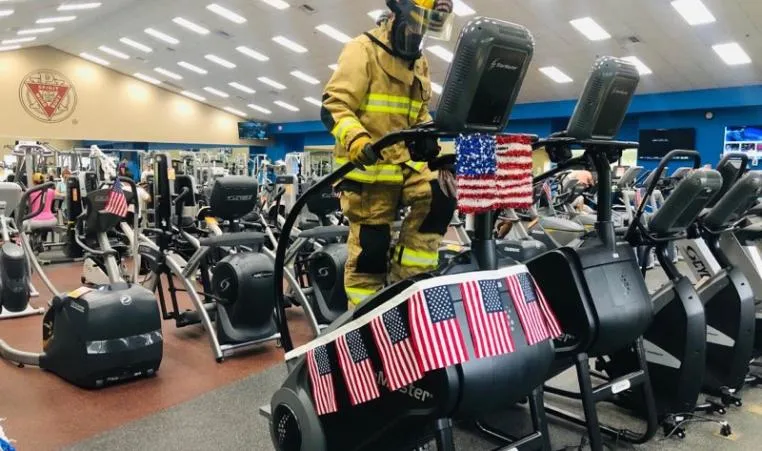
228,419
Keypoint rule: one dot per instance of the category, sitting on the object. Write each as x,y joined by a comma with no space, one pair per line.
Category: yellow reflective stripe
388,98
384,103
343,127
390,173
415,259
417,166
357,295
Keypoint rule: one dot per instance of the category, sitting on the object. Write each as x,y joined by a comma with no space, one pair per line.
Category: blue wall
731,106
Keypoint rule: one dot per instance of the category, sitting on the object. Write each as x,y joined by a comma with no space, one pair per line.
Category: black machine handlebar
24,202
740,156
181,196
690,154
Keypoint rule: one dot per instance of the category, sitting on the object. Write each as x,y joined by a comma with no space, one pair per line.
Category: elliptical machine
404,418
94,338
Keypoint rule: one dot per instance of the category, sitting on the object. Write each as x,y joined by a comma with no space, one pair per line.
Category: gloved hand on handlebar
361,152
423,149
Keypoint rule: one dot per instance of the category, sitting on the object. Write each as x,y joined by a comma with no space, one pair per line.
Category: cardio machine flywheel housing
326,269
14,287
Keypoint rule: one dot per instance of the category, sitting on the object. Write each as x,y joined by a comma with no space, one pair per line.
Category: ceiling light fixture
436,87
642,68
222,62
226,13
52,19
192,68
259,108
590,29
252,53
136,45
113,52
732,54
286,106
313,101
242,88
333,66
441,52
19,40
6,48
305,77
185,23
216,92
94,58
161,36
234,111
375,14
693,11
461,9
6,12
333,33
79,6
193,96
289,44
35,30
169,74
555,74
278,4
271,82
146,78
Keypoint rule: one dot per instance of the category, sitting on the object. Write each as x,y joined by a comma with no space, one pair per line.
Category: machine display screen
615,108
490,104
655,144
252,130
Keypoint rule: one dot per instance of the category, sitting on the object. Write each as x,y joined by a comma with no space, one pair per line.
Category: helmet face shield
429,22
416,20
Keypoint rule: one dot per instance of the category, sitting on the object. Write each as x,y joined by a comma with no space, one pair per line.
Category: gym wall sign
48,96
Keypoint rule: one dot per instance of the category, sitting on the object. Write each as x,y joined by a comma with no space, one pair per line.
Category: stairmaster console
605,99
491,60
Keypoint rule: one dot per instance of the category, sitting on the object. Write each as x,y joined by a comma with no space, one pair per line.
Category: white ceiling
680,55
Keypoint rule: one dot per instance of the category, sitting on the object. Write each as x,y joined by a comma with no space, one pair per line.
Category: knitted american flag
476,171
514,171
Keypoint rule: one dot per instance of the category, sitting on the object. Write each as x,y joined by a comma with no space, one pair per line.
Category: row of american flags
424,334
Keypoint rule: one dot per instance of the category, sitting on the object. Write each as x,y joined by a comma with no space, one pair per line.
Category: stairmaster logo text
240,198
411,390
499,64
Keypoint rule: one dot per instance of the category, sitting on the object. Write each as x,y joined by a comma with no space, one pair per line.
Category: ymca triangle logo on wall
48,96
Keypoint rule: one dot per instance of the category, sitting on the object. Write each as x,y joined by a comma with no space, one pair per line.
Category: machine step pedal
266,411
618,385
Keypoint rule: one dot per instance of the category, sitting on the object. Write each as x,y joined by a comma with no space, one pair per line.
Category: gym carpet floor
197,404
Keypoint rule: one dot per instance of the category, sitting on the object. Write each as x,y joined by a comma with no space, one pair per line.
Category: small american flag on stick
321,378
487,318
116,203
435,329
537,319
357,368
392,337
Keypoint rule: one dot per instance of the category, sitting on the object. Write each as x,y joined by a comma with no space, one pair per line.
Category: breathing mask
415,20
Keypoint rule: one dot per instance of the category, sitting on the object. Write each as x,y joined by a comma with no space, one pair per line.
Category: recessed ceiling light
333,66
313,101
279,4
241,87
169,74
192,68
161,36
436,87
555,74
333,33
226,13
6,12
285,105
732,54
460,8
259,108
441,52
35,30
693,11
78,6
136,45
193,96
216,92
19,40
642,68
6,48
289,44
185,23
113,52
146,78
590,28
234,111
304,77
53,19
222,62
94,58
271,82
252,53
375,14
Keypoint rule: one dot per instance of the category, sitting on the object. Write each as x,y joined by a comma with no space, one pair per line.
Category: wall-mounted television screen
252,130
655,144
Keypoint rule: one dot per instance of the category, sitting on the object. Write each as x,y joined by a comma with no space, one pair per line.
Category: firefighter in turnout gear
382,85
